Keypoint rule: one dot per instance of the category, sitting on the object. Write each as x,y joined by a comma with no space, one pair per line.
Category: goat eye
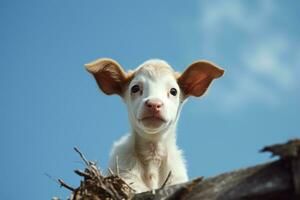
135,89
173,91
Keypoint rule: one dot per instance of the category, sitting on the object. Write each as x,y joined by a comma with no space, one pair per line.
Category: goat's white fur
147,154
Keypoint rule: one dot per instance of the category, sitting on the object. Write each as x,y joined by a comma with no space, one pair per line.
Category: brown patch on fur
109,75
196,79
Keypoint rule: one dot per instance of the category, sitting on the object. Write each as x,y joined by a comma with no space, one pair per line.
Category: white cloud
215,15
266,58
266,54
244,91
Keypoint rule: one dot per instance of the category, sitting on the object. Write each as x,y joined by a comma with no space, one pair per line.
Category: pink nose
154,105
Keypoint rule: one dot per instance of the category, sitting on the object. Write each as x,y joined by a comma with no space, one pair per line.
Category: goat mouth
152,122
153,118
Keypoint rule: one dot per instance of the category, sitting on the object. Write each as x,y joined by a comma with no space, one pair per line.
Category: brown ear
109,75
195,80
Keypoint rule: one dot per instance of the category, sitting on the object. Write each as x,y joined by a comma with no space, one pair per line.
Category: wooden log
276,180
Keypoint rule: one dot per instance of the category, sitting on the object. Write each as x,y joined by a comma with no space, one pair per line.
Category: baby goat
154,94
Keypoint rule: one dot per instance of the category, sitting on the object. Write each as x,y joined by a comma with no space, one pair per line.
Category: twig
82,156
117,163
111,172
51,178
63,184
81,173
114,191
167,179
184,190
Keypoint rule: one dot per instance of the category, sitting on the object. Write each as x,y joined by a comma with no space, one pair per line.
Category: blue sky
49,103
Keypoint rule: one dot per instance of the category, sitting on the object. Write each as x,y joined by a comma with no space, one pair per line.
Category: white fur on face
155,79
